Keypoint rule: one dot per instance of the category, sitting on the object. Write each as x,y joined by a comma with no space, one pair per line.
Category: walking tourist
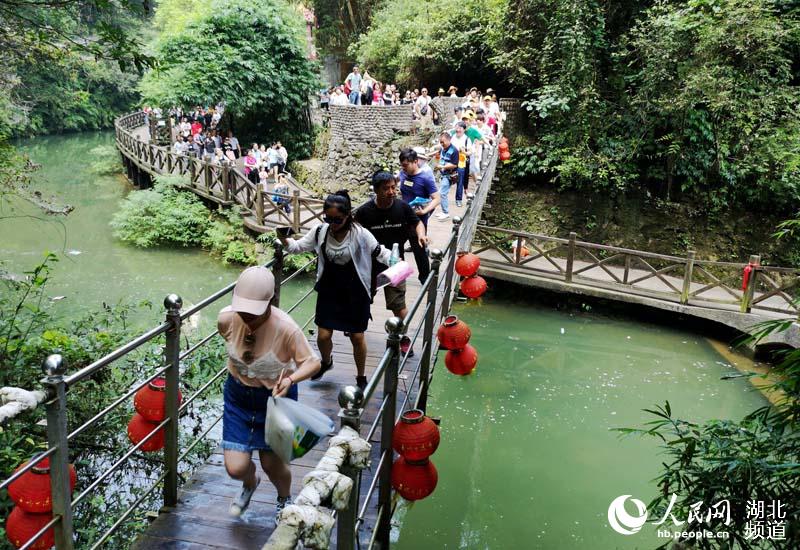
345,251
267,355
448,172
392,222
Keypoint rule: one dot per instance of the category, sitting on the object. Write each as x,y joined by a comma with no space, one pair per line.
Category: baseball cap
254,289
489,90
487,98
421,153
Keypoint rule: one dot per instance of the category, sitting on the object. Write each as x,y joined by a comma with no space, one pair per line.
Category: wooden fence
686,280
224,184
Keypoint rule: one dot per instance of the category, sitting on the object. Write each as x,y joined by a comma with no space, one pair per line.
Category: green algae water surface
527,458
93,266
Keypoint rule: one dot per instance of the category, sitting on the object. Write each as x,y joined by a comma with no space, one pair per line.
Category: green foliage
696,98
29,332
168,216
161,216
755,458
443,43
249,55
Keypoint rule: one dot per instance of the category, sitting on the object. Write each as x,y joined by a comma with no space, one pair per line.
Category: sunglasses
333,221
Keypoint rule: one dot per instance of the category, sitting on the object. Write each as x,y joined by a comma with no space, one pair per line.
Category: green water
526,458
94,267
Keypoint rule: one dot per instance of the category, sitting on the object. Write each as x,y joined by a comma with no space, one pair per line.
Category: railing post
172,351
351,401
296,211
54,368
277,272
259,205
627,272
427,332
394,328
687,277
451,263
192,171
208,175
570,256
226,182
518,250
750,289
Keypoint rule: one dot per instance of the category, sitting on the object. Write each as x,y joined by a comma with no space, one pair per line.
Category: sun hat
489,90
487,98
254,289
421,153
452,89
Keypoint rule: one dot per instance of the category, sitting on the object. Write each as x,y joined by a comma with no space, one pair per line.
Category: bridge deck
201,518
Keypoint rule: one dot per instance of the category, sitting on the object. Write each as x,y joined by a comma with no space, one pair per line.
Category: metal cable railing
59,385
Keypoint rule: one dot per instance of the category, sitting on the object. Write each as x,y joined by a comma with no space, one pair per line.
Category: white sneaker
282,503
442,216
241,503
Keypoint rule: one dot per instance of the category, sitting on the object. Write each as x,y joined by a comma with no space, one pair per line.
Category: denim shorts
244,416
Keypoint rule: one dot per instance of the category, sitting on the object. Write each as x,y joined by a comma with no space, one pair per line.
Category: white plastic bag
292,429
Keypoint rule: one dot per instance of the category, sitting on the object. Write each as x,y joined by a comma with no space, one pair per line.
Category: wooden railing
686,280
225,184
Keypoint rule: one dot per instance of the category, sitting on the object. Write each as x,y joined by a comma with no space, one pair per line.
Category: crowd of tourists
268,354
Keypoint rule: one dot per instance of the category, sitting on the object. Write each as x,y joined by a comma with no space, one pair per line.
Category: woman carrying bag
267,355
345,251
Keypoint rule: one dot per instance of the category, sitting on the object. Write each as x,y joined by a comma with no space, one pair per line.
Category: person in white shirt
421,106
338,97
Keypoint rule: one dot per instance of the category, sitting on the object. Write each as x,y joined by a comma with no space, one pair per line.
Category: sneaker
442,216
361,382
405,346
458,204
407,248
283,502
323,369
241,503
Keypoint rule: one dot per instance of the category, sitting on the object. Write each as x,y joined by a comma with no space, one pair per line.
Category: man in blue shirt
418,183
448,168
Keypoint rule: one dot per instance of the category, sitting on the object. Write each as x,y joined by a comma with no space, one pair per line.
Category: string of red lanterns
33,499
415,439
150,405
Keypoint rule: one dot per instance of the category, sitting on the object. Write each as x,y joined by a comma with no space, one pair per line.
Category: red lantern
21,526
414,480
416,436
461,362
139,428
503,145
505,156
31,491
467,264
473,287
150,400
453,334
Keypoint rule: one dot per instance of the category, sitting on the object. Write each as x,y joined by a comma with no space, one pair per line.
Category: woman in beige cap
267,355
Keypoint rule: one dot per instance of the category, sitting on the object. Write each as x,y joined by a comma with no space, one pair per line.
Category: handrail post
518,250
259,205
226,182
351,401
394,328
687,277
192,172
570,256
627,272
172,351
296,211
55,368
277,272
427,332
750,289
208,175
451,263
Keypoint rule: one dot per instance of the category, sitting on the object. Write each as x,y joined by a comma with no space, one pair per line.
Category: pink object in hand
395,275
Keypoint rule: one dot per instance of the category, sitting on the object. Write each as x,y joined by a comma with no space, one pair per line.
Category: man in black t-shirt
391,221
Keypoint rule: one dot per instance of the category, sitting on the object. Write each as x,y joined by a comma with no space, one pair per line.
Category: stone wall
363,139
517,119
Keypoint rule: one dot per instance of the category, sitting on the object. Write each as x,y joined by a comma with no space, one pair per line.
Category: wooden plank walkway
201,521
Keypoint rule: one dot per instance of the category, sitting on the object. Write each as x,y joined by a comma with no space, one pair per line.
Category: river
527,458
93,266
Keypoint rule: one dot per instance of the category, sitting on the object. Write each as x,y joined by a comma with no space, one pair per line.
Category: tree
249,55
438,43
